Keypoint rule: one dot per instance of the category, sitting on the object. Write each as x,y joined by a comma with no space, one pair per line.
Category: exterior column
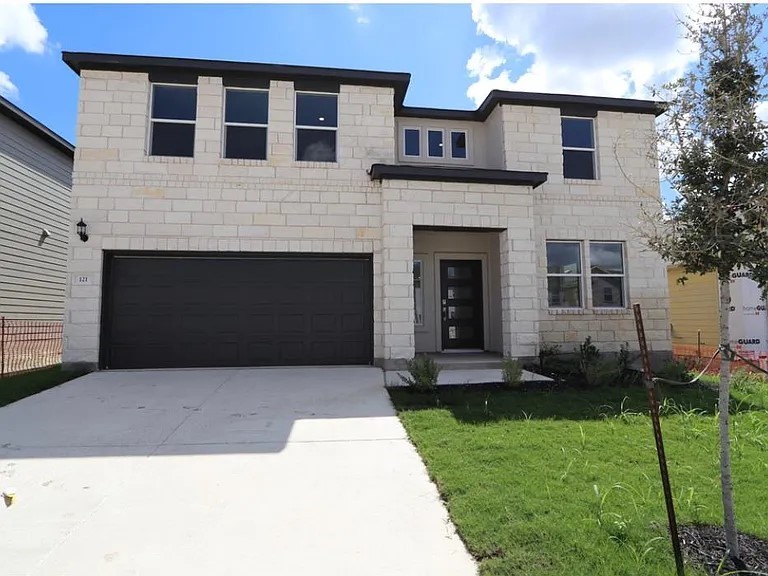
519,298
397,273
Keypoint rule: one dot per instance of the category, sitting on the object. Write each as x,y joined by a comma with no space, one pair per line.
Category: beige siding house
251,214
35,193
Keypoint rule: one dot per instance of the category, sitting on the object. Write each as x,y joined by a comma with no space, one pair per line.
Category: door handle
445,309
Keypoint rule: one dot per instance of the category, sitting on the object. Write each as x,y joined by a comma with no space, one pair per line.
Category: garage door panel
243,311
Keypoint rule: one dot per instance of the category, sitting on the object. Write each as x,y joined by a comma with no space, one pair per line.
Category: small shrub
423,372
511,372
676,371
602,372
547,351
589,355
627,375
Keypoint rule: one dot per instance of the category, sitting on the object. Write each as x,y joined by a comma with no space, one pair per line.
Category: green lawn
567,482
15,388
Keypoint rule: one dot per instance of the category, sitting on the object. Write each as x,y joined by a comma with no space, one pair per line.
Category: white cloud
598,49
762,111
19,28
361,18
7,88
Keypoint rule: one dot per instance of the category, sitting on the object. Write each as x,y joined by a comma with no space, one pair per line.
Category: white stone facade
132,201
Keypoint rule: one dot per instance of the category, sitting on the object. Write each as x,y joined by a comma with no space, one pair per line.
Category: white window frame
466,144
298,127
152,120
243,124
575,148
623,276
580,276
421,146
418,297
442,148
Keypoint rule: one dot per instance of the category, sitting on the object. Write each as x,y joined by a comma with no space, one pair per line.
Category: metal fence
28,345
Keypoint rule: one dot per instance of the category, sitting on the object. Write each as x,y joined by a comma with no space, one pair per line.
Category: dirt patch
704,545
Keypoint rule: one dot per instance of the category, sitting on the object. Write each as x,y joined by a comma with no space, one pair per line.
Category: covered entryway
211,310
457,290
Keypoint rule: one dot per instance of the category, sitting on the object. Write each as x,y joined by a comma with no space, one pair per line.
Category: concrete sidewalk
198,472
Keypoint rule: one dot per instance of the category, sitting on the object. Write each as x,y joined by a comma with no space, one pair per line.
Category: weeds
422,374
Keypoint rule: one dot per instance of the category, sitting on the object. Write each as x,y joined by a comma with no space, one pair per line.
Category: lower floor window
606,276
606,265
564,274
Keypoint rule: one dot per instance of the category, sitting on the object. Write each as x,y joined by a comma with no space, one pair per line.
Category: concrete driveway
199,472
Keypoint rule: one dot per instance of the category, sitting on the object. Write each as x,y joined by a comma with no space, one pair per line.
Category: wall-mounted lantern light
81,228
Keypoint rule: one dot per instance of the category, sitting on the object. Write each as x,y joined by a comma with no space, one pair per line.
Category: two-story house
244,214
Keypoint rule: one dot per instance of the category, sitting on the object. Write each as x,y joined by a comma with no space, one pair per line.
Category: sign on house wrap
748,318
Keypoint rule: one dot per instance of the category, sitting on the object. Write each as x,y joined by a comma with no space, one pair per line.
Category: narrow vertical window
458,144
412,142
435,143
418,294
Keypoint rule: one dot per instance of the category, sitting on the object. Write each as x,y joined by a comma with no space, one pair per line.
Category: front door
461,300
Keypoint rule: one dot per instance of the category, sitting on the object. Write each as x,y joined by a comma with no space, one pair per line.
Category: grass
567,481
15,388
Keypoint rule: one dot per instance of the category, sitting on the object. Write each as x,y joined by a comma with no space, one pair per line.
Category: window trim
580,275
151,120
416,321
464,131
297,126
623,275
224,123
402,132
442,148
593,150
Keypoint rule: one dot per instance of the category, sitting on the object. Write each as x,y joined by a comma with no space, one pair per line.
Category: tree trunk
726,482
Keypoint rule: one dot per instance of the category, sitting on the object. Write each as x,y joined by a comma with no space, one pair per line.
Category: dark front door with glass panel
461,301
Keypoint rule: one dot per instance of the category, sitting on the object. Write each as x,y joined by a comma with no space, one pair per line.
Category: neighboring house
694,312
35,194
244,214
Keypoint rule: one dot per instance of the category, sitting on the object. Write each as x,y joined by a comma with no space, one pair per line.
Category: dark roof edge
78,61
26,121
572,103
454,174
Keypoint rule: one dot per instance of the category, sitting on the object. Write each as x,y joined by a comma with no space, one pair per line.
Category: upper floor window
564,274
172,120
606,262
435,144
316,126
246,113
578,148
458,144
412,142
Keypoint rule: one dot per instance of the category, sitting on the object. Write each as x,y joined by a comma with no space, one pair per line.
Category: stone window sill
242,162
170,159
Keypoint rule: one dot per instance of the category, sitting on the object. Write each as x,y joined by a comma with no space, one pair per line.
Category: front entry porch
457,291
462,368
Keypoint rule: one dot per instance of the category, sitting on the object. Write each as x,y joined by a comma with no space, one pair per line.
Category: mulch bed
704,545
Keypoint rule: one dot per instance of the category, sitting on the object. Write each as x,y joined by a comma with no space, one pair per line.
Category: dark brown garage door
213,310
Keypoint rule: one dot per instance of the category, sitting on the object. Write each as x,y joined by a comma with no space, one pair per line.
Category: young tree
713,150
